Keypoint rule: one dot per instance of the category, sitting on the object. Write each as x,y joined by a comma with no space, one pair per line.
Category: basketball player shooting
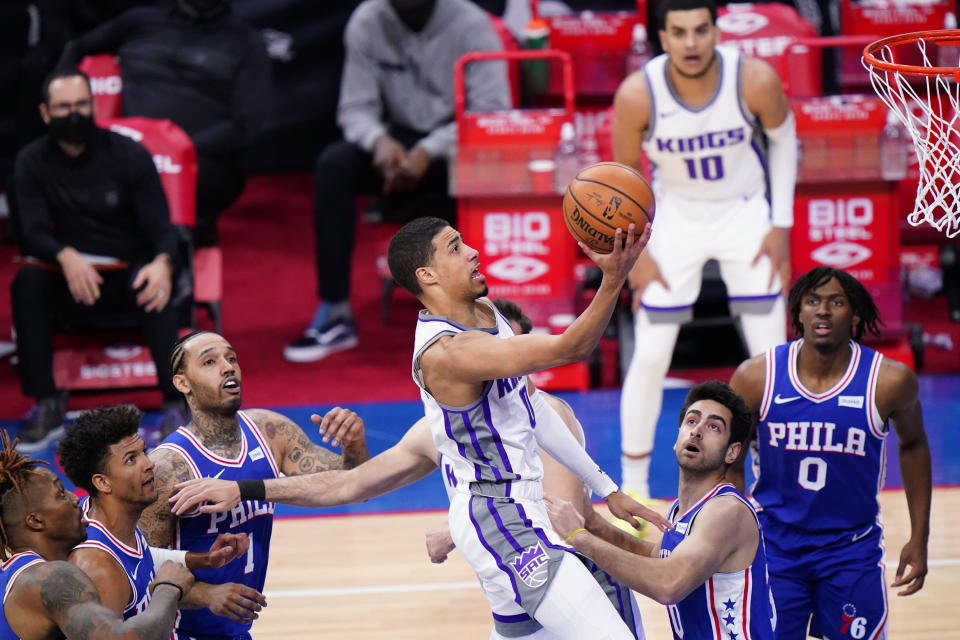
470,367
717,129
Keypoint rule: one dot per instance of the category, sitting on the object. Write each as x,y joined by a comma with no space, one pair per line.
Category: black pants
219,183
345,171
42,304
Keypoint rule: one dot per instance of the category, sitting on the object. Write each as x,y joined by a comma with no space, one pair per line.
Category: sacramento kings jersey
821,456
708,153
728,605
197,531
137,562
491,439
10,570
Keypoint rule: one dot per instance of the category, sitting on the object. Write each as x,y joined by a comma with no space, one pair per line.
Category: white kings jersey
710,153
492,439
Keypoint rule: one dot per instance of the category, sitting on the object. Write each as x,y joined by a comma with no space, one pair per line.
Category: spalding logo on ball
603,197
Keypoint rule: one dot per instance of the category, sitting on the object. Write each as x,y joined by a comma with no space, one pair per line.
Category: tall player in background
222,441
717,129
825,404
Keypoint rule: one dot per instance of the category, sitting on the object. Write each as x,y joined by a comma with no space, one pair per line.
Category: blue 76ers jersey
732,606
10,570
820,458
197,531
137,562
709,153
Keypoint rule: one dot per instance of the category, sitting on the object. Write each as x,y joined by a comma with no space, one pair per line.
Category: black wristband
170,583
252,489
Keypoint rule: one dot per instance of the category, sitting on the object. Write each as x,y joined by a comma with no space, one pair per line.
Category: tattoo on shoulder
170,468
62,589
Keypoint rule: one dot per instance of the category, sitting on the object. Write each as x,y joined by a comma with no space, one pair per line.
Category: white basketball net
931,116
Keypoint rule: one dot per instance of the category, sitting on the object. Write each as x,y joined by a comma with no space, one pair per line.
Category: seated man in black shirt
197,64
85,196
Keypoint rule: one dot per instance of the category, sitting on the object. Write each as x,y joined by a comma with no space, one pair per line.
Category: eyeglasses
63,108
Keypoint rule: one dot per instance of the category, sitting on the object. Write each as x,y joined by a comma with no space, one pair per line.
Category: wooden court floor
368,577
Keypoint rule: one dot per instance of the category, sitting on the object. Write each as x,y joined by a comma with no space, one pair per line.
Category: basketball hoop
925,98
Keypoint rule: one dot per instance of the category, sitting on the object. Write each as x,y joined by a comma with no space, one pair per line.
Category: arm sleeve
150,202
485,83
36,226
359,112
106,38
782,157
554,437
162,555
250,105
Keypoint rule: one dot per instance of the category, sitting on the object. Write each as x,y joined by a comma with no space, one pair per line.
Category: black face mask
414,13
74,128
203,9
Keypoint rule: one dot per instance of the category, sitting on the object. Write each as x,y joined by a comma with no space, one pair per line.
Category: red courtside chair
107,86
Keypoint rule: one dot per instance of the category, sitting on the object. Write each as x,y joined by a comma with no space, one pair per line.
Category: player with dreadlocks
825,404
45,597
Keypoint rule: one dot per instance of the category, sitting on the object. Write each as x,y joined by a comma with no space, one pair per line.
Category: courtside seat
206,262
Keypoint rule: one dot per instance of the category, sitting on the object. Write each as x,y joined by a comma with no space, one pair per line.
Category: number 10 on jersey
705,168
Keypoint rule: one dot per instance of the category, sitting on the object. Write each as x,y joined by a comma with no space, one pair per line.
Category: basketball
603,197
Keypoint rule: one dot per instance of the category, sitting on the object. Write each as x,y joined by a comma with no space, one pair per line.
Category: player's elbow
672,590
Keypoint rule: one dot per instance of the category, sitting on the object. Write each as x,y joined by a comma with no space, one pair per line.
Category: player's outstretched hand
221,495
226,548
339,426
913,554
237,602
624,507
563,516
618,263
439,543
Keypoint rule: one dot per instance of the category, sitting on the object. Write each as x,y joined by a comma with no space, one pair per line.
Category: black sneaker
316,344
44,423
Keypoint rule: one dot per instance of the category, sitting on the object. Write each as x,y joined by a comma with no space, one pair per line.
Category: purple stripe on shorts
519,617
496,557
540,533
765,296
506,534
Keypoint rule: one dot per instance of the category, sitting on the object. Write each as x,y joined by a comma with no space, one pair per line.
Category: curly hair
720,392
860,299
15,471
84,449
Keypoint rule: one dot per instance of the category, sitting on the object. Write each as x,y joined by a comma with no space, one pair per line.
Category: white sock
636,475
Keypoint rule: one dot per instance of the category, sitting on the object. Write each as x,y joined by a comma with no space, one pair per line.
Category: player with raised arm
825,404
103,455
719,134
710,569
221,441
482,419
44,596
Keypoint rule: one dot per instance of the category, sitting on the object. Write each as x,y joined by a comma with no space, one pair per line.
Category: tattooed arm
296,454
58,594
157,522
